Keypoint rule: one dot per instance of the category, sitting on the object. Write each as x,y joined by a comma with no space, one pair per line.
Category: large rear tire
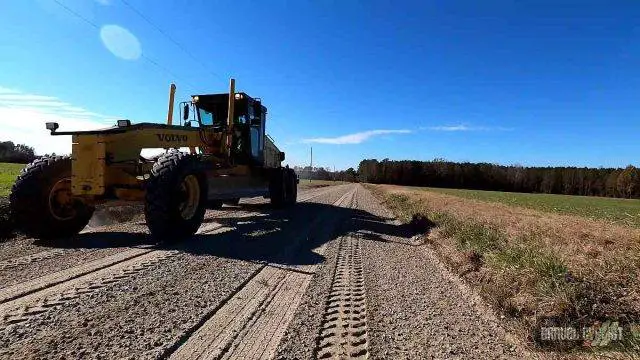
176,197
41,202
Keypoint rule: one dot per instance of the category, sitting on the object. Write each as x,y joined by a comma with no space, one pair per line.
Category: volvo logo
171,137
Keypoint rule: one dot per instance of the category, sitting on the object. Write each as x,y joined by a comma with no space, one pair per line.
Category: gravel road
333,277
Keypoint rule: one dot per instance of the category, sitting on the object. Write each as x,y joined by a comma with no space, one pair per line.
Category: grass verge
536,269
8,174
306,184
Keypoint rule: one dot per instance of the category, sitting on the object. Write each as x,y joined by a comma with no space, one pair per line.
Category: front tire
41,202
176,197
291,187
277,188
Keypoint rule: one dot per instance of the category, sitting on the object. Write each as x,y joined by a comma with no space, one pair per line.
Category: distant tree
16,153
6,149
611,184
628,182
350,175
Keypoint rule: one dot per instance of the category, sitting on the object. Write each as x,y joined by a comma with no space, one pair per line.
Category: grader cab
218,153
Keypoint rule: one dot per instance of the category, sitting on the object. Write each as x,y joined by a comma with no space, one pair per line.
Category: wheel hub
61,202
190,197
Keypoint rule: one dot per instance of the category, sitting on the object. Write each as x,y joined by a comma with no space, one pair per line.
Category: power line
162,68
145,57
175,42
73,12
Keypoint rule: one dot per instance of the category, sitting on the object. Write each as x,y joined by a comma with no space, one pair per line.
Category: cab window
206,118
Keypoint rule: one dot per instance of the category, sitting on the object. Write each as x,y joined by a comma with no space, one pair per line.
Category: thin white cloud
463,127
23,117
356,138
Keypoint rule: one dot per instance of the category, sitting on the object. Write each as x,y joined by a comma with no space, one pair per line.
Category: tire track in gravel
22,309
344,327
251,322
22,301
28,259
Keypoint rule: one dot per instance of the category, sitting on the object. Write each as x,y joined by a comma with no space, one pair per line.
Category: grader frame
225,161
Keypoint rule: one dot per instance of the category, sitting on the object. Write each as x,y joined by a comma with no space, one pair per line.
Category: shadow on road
280,236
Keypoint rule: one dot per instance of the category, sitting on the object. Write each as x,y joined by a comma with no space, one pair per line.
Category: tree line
16,153
612,182
319,173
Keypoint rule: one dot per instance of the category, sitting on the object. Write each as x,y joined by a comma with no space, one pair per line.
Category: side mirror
185,112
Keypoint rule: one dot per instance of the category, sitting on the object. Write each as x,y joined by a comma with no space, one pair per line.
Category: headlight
124,123
52,126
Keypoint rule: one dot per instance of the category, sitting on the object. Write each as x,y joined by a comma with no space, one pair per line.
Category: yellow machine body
216,154
109,157
107,164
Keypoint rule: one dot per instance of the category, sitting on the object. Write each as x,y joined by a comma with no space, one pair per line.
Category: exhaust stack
232,97
172,94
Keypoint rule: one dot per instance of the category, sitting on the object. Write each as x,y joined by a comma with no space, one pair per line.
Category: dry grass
306,184
534,267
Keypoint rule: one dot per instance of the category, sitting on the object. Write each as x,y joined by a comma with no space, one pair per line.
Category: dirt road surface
334,277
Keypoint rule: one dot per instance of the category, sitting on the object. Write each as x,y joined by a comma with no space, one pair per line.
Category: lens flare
120,42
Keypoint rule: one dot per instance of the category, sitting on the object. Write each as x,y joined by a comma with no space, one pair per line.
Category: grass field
620,211
8,174
534,267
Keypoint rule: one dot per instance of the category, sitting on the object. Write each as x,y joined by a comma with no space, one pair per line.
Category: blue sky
532,82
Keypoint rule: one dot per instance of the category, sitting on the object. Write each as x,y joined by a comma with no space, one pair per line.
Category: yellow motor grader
217,154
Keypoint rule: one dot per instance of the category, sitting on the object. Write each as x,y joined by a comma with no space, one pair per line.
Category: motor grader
218,153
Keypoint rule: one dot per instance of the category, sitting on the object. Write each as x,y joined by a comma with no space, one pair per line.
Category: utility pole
311,166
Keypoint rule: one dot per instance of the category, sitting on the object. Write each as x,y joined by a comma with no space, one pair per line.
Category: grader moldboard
229,157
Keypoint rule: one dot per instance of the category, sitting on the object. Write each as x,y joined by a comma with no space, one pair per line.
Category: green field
621,211
8,174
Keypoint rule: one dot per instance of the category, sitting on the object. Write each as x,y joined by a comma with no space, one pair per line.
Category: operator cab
249,118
